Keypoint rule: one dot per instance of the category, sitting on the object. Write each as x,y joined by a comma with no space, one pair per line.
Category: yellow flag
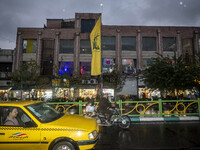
95,39
29,48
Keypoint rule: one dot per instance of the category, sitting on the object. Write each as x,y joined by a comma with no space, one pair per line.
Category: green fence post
199,105
160,107
120,106
80,107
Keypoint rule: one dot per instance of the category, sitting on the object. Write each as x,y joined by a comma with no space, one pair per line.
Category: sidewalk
187,118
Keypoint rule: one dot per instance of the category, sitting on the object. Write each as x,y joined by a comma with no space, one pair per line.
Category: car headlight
92,135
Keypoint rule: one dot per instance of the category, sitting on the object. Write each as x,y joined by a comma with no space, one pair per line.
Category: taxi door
24,136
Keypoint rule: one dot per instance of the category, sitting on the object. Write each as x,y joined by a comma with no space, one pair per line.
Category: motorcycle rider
104,106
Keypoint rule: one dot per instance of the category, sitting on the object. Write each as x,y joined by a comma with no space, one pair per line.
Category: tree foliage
27,76
168,74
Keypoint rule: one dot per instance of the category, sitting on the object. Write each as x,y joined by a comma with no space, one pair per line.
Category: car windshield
44,113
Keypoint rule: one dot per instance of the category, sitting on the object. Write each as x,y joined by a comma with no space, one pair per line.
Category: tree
26,77
171,75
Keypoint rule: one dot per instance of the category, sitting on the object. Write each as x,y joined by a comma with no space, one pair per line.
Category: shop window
129,43
85,47
169,44
129,66
146,62
109,92
67,46
108,65
108,43
87,25
29,46
149,44
87,93
85,69
66,68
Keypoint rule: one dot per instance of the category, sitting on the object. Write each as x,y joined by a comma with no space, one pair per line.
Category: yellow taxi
34,125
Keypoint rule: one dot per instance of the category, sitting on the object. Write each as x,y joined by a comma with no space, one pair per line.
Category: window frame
87,47
144,48
169,50
69,48
108,46
133,43
87,25
24,44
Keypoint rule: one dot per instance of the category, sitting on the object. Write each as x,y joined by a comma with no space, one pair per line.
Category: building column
179,52
77,54
118,50
18,54
56,53
159,43
196,42
139,50
39,49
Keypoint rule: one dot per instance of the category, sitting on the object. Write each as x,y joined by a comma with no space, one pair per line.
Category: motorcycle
123,121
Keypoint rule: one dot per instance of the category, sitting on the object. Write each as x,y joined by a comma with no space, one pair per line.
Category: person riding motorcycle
104,106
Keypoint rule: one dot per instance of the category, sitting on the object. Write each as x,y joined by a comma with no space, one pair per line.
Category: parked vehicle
40,126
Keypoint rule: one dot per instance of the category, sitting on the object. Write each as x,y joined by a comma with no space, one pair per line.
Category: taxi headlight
92,135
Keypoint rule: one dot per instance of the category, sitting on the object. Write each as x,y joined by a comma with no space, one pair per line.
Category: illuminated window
29,46
108,65
146,62
129,43
66,68
149,44
129,66
85,69
169,44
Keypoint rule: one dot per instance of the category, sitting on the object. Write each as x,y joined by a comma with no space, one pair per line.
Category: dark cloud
27,13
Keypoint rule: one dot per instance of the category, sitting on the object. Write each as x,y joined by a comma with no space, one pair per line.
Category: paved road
154,136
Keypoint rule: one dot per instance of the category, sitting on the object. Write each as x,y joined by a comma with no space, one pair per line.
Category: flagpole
101,75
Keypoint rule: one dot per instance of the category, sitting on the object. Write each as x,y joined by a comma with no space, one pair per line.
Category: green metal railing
158,108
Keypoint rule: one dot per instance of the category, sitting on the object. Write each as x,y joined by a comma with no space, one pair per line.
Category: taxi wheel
64,145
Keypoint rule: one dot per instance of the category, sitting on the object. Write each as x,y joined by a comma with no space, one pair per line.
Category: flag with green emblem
95,39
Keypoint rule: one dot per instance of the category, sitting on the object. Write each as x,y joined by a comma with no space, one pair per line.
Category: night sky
33,13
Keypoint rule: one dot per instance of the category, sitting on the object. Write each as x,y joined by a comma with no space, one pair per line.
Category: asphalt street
151,136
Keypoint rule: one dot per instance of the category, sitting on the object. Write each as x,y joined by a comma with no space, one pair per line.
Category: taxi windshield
44,113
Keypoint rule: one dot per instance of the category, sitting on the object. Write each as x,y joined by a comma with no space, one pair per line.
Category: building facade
65,43
6,62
